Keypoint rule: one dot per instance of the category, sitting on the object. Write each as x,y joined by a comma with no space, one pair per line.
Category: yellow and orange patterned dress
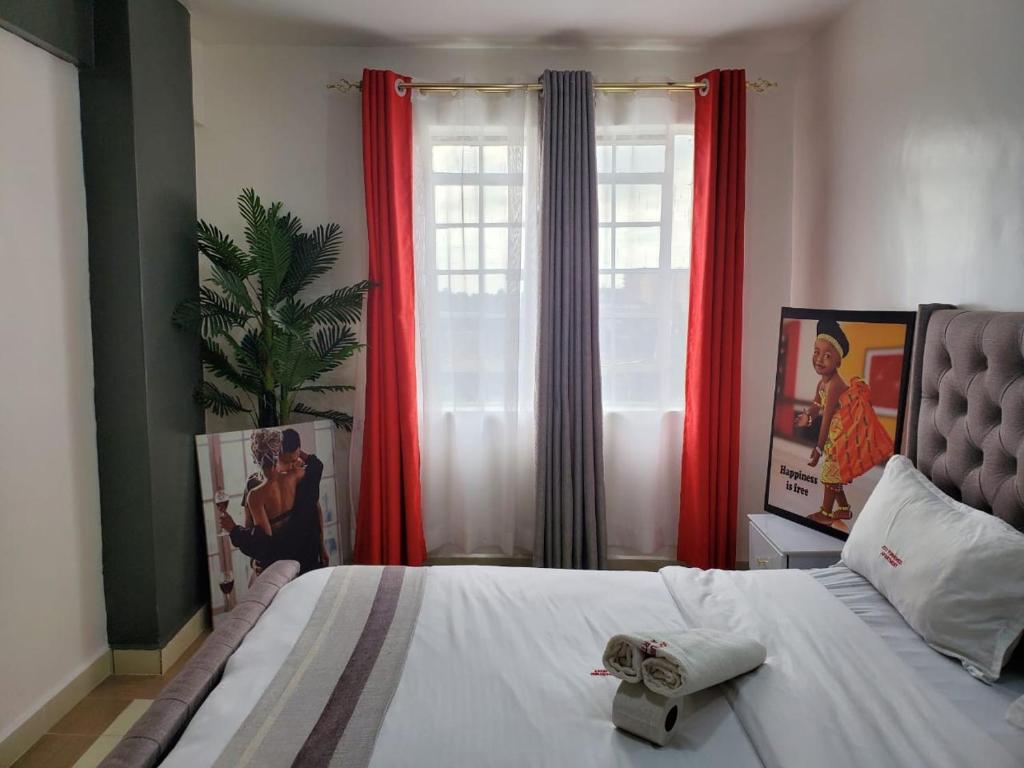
856,441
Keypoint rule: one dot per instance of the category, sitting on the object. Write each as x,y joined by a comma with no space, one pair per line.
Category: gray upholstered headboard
966,416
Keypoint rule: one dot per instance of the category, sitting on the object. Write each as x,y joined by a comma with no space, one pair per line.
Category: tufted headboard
966,416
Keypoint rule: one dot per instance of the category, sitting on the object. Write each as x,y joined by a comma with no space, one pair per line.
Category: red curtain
707,506
389,525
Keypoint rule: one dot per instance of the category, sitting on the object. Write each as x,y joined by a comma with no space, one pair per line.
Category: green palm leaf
221,403
269,234
291,317
255,217
216,362
326,388
341,420
336,342
232,284
344,305
248,358
210,314
222,251
313,255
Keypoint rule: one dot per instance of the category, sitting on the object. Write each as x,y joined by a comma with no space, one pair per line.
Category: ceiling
617,23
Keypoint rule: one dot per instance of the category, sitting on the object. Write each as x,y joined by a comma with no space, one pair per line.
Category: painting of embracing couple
267,496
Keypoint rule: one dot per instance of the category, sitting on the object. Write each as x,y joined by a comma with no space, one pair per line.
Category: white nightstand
776,542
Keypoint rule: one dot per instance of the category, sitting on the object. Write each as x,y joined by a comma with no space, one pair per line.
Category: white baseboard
132,661
21,738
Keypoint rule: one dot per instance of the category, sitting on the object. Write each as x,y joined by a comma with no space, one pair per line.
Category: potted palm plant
265,347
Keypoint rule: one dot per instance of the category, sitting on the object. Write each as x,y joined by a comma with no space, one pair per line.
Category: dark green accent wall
139,153
62,27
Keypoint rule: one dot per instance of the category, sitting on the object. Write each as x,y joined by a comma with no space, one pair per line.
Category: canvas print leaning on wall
268,494
840,390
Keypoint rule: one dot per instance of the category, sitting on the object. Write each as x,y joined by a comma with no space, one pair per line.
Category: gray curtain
570,530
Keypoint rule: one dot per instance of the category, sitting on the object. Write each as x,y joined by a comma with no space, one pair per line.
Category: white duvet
499,674
831,692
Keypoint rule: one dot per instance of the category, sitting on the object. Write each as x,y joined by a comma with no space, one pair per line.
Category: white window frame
658,136
443,136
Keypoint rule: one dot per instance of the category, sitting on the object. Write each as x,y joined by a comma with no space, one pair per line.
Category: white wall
910,157
52,616
268,121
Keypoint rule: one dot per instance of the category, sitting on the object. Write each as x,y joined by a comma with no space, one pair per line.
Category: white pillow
956,574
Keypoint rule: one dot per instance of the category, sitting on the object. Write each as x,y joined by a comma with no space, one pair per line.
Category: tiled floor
85,735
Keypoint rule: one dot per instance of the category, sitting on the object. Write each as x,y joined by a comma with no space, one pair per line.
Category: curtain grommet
401,88
705,87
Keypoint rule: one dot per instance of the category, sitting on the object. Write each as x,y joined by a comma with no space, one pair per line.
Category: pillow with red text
955,574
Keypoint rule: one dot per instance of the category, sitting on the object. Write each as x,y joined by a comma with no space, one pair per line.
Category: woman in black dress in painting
283,518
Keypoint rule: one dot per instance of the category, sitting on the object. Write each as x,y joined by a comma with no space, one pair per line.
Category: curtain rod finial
761,85
345,86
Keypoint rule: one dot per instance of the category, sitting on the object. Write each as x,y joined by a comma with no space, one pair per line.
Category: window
475,201
476,184
645,193
476,229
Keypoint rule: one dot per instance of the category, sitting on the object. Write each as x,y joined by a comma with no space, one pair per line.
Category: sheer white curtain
476,206
645,185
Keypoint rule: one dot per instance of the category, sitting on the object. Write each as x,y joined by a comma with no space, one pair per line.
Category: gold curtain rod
757,86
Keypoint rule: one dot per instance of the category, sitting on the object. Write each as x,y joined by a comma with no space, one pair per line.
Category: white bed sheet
498,673
983,704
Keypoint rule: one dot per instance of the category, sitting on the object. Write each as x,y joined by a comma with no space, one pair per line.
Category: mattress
983,704
498,673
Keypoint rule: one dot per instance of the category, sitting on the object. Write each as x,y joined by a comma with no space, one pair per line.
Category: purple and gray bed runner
326,704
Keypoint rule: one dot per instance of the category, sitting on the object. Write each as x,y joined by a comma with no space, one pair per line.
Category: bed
472,665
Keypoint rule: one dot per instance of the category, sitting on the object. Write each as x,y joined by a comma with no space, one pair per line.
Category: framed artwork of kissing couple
268,494
840,392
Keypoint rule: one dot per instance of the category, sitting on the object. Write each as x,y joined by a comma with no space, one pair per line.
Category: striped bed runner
327,702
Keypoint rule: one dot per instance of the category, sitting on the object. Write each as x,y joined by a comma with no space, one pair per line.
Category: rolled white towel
690,661
624,654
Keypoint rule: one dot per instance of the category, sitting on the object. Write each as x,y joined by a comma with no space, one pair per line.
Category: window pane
632,388
471,204
604,247
683,155
635,340
463,248
494,284
611,286
604,158
496,248
457,248
495,204
495,159
638,202
643,314
466,284
455,204
637,247
638,292
640,159
443,246
604,202
455,159
682,201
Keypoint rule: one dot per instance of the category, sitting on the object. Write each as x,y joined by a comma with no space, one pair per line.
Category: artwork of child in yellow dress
851,439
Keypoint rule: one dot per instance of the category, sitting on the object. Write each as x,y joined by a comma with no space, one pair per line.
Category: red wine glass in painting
227,576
